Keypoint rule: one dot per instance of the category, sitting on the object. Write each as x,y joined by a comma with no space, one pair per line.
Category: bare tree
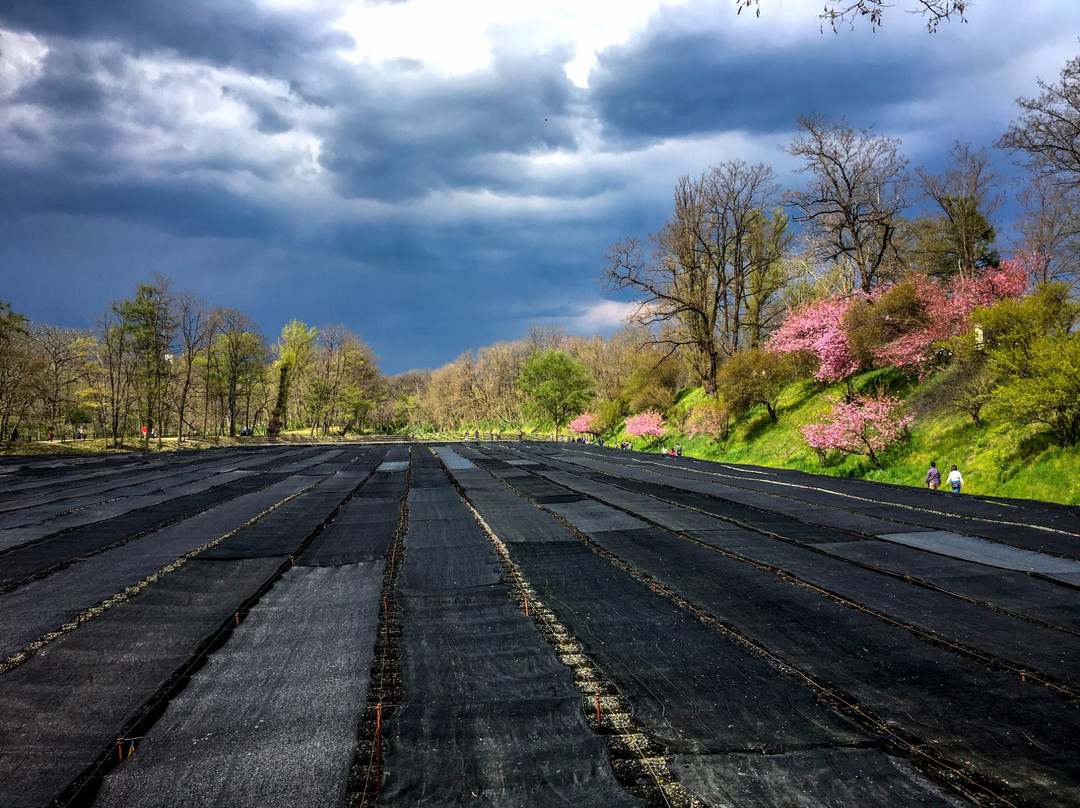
1048,129
838,12
852,205
62,354
965,196
111,375
1049,227
17,370
708,272
195,325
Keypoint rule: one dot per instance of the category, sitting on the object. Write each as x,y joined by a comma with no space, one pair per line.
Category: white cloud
603,316
457,38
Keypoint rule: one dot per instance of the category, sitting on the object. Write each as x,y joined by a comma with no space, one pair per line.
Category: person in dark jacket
933,477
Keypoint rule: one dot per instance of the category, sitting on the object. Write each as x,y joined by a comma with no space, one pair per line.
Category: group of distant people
955,480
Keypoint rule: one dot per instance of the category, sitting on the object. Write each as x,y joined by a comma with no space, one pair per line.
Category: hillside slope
996,459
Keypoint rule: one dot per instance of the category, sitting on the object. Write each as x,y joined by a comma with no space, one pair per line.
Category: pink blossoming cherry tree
865,425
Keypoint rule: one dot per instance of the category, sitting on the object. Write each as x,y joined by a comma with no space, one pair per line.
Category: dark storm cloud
222,32
177,206
411,137
678,83
69,83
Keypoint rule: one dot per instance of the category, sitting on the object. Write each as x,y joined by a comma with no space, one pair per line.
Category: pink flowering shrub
865,425
649,424
948,307
585,424
710,419
818,328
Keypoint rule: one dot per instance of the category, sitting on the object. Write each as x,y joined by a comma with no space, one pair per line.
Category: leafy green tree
150,327
1045,388
1035,356
556,387
345,384
295,349
238,359
871,324
16,369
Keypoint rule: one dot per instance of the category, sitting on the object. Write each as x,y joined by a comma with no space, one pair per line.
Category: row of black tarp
872,508
489,716
997,731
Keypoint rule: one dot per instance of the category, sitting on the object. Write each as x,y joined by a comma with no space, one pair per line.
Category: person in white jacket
955,480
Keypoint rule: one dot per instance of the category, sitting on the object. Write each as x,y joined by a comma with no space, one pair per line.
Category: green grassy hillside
996,459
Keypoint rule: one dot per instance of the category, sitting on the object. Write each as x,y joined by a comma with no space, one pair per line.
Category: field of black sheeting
522,623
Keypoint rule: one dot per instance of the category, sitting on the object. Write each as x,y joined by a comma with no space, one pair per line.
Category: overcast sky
436,176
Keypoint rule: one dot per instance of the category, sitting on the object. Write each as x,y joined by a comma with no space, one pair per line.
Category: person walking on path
933,477
955,480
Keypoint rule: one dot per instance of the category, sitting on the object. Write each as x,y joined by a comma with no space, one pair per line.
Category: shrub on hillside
756,377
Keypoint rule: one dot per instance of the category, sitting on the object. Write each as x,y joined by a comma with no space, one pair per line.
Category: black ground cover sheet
1002,636
64,495
61,709
363,527
489,715
166,488
1003,728
68,490
23,562
271,719
690,687
30,612
281,531
1006,589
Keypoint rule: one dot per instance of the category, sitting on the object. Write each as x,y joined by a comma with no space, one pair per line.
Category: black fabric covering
966,711
281,531
1013,522
26,561
971,715
47,502
271,719
363,527
1008,590
810,778
1001,636
30,612
695,690
489,714
60,710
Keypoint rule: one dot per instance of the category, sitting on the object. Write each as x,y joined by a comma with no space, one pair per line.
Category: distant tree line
168,365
